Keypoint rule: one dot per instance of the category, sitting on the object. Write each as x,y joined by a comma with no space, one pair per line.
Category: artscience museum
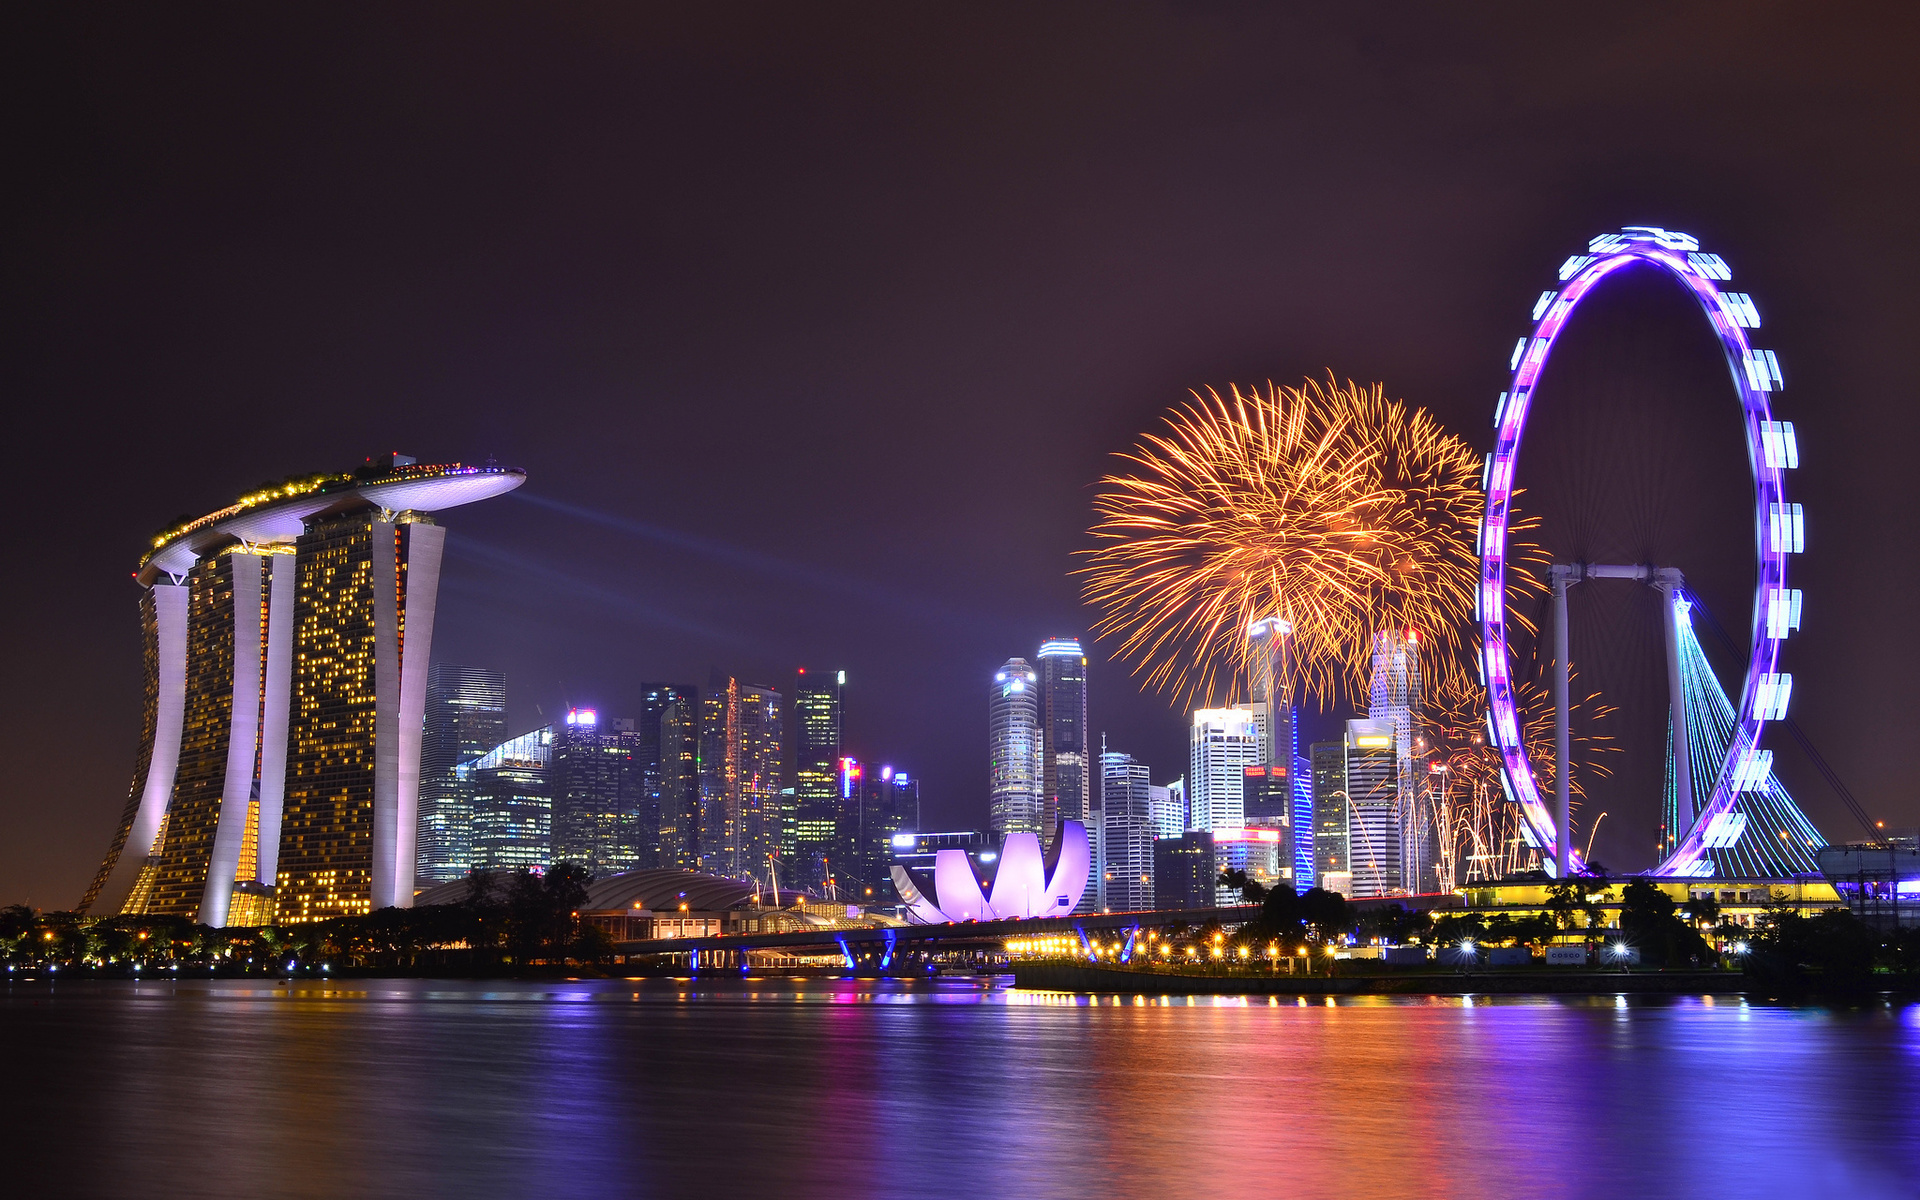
1022,881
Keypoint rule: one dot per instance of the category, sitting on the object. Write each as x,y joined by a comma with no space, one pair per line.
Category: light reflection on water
786,1087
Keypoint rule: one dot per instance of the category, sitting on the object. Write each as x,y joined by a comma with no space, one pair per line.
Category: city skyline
415,308
1048,574
594,789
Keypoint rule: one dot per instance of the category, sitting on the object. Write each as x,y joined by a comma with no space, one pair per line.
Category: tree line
509,921
1784,952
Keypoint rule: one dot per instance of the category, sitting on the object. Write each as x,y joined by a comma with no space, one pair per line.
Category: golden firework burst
1327,505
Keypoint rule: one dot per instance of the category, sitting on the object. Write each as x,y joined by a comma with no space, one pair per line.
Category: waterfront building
1016,750
1268,796
740,768
877,804
1394,697
1126,809
918,852
1225,742
1025,881
1067,774
466,717
668,756
1184,874
1374,821
1279,796
1259,852
1169,808
512,804
816,767
1067,782
1329,767
287,640
1303,823
598,792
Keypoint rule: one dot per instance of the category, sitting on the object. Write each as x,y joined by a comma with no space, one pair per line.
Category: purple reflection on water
950,1087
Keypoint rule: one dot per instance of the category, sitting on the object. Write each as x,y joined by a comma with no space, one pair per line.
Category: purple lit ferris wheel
1779,530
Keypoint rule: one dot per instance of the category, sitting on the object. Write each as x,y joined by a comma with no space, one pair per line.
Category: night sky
813,327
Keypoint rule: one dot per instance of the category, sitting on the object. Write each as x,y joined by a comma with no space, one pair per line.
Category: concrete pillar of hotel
424,546
170,620
243,736
276,703
386,716
400,684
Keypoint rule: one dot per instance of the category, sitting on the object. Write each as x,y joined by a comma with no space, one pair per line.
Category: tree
1643,907
1647,918
1250,889
1326,913
1831,951
1563,901
1394,923
1281,916
1702,909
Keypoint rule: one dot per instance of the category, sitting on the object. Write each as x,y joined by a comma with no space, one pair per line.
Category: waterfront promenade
1065,975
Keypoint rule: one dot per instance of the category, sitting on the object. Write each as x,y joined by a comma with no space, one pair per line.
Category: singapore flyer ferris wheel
1729,803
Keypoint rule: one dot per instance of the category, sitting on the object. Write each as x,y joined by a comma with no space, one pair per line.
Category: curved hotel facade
286,641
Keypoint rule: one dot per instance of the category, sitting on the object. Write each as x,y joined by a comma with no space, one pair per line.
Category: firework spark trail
1470,810
1328,505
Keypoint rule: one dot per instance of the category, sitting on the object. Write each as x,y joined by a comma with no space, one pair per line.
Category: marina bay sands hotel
287,638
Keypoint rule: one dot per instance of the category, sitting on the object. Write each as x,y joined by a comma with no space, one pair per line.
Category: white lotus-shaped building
1027,883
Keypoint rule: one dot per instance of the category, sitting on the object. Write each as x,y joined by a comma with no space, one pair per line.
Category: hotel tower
286,641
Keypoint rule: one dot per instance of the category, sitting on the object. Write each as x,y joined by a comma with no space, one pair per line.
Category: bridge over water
886,942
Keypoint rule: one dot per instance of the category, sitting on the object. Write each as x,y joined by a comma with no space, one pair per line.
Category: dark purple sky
813,326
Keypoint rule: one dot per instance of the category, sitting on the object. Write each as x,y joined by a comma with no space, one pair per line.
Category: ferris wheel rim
1778,526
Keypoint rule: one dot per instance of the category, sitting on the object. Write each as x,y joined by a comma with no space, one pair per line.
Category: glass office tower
1016,752
816,778
1126,812
512,804
668,732
598,786
466,717
741,801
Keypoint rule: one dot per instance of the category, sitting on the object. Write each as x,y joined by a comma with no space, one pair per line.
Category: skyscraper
1269,797
1067,780
1184,874
1373,810
816,777
1016,749
512,804
668,731
1271,790
1330,819
1169,809
1126,809
877,803
762,802
1063,689
1225,742
598,788
287,642
740,794
1394,697
466,717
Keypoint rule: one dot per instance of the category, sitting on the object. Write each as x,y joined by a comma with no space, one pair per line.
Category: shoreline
1081,977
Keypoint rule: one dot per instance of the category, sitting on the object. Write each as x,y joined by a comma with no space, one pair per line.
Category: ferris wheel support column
1563,575
1670,582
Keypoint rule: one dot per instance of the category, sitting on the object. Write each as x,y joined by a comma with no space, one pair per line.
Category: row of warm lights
1156,946
293,487
302,487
